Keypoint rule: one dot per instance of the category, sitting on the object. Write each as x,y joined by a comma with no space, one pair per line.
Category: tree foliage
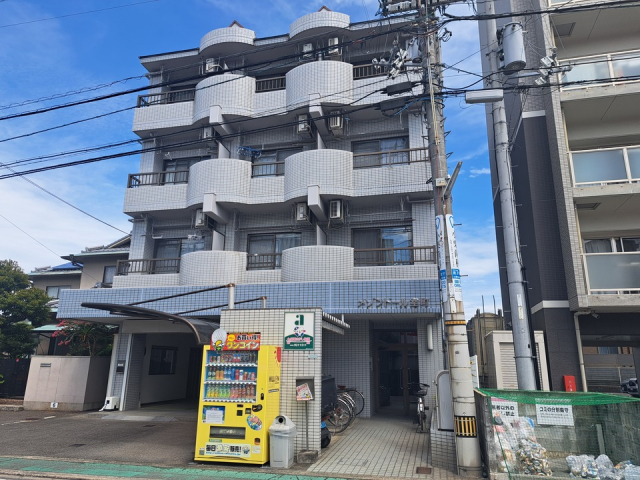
22,307
85,338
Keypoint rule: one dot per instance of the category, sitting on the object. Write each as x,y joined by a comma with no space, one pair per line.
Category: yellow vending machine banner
240,398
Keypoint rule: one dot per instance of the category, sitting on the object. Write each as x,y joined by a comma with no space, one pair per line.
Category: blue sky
43,58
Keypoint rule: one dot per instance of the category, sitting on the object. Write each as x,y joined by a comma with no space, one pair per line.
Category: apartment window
270,163
609,245
163,360
607,350
54,291
176,247
375,153
265,251
382,246
108,274
628,244
181,168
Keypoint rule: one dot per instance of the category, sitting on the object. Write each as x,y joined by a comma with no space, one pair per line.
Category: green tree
22,307
85,338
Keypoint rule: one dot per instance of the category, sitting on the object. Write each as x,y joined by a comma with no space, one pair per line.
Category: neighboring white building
575,151
270,164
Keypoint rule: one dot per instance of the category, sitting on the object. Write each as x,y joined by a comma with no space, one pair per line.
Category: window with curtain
177,169
382,246
375,153
271,162
265,251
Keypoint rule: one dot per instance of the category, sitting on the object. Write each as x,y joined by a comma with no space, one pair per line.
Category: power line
28,235
76,14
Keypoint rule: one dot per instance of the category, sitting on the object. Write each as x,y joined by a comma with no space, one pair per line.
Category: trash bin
282,435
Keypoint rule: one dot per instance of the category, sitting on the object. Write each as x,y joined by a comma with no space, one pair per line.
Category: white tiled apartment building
575,151
270,164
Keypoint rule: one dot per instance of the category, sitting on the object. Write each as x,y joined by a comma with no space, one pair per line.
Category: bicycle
422,408
342,415
356,396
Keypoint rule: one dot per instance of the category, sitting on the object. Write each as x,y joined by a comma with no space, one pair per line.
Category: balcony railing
267,169
380,257
148,266
264,261
271,84
175,96
606,166
612,273
395,157
612,69
157,178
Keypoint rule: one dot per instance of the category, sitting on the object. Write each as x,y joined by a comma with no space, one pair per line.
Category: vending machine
239,398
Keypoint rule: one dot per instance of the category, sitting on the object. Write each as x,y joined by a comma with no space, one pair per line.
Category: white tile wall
214,267
233,93
331,170
317,263
323,18
226,35
332,80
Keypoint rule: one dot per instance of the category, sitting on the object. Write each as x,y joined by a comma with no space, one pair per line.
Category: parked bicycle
350,402
422,408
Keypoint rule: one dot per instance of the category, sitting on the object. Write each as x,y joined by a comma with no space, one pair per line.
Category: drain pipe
232,295
583,373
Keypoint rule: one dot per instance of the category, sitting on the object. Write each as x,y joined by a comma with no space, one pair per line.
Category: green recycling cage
559,434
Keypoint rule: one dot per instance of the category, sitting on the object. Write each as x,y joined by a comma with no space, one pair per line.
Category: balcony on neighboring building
386,157
612,273
606,166
175,96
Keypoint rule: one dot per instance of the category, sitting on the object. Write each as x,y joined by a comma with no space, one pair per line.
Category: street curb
11,408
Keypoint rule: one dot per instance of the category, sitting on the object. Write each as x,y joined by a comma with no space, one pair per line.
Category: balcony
264,261
164,98
158,178
395,157
148,266
612,273
386,257
271,84
606,166
613,68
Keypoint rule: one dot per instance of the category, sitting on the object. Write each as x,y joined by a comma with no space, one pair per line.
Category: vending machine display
240,398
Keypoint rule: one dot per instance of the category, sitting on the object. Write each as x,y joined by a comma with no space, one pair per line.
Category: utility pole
525,367
464,408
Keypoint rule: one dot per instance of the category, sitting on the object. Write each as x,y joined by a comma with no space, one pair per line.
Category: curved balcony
228,40
320,78
322,20
318,263
212,267
228,178
331,170
234,94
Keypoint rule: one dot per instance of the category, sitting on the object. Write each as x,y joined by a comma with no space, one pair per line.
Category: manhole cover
424,470
78,445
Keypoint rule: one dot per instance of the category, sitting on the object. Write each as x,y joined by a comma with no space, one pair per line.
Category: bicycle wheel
348,404
339,418
358,400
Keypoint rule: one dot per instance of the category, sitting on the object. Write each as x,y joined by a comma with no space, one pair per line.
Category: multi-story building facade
280,165
576,165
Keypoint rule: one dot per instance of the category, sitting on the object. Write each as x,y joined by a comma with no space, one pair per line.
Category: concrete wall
74,383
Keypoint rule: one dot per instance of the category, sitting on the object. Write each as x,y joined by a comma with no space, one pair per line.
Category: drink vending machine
239,398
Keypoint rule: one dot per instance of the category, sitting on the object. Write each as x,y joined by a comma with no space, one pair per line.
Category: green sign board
298,330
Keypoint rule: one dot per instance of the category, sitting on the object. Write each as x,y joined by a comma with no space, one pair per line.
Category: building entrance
396,371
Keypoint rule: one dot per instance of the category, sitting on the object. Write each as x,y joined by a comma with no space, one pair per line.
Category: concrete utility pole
525,366
464,408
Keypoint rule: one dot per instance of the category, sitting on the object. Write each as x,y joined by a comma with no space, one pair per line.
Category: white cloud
474,172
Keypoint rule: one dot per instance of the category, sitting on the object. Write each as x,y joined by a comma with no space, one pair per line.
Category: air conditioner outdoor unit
304,126
207,133
302,213
335,209
211,65
307,51
333,46
201,219
335,121
111,403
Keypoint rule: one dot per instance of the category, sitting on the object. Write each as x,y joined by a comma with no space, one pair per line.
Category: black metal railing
157,178
376,257
263,261
271,84
370,70
174,96
395,157
148,266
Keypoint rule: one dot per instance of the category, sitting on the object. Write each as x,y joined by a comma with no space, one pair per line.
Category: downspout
583,373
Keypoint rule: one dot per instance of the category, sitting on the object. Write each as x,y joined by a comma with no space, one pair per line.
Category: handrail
174,96
392,157
264,261
148,266
157,178
371,257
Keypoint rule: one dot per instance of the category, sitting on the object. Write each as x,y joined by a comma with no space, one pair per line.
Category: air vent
564,29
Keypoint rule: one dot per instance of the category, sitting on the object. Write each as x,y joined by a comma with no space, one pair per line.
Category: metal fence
377,257
157,178
395,157
148,266
175,96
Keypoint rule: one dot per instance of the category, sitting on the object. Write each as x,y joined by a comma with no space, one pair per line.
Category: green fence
559,434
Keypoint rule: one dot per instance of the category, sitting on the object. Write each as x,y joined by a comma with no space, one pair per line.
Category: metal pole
525,367
464,408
